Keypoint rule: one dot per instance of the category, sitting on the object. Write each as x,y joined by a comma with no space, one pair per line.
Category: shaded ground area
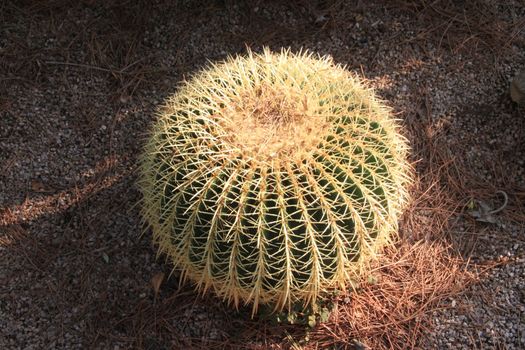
79,84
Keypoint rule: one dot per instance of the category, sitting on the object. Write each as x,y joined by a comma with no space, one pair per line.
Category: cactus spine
273,178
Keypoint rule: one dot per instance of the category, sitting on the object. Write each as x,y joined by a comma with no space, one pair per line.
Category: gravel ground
78,89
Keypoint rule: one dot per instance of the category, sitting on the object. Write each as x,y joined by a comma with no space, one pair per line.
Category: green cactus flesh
273,178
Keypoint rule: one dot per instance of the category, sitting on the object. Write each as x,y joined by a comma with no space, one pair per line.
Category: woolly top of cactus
271,178
269,123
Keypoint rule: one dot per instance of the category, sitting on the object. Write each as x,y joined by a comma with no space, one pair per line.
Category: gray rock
517,88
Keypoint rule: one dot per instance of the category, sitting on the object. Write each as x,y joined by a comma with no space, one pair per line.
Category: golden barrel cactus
273,178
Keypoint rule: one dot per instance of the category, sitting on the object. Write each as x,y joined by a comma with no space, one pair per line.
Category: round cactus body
273,178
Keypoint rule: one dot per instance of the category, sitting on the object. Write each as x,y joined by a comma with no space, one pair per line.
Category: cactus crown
273,178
